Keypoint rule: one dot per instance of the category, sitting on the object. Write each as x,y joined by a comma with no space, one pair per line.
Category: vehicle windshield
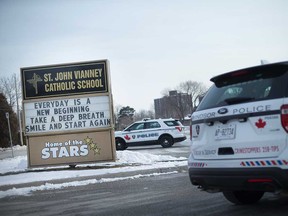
247,87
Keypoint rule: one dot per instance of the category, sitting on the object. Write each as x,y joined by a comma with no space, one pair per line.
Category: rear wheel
243,197
166,141
120,144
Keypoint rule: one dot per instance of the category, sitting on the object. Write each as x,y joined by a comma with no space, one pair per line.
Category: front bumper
270,179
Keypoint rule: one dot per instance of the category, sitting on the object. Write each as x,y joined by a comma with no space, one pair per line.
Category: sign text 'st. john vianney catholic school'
47,81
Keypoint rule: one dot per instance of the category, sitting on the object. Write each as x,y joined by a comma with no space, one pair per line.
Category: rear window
261,83
172,123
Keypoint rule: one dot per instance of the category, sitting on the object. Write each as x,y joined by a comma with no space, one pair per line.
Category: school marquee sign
68,113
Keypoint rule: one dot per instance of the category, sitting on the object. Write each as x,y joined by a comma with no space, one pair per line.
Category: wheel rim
165,141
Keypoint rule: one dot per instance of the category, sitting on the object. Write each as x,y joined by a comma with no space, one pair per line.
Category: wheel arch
165,134
120,138
120,143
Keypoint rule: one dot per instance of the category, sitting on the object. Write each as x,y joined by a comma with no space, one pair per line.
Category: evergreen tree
124,117
126,112
4,130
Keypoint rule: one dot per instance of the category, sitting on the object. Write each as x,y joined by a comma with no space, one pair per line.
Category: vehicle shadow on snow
139,148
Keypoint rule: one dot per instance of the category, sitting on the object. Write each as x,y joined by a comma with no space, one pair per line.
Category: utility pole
18,112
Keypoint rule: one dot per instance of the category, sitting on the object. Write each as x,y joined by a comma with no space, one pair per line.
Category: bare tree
165,92
144,114
195,89
180,102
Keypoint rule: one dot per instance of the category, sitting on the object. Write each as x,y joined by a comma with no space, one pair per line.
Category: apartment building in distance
175,105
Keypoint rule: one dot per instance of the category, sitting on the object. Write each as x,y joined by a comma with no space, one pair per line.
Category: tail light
179,128
260,180
284,117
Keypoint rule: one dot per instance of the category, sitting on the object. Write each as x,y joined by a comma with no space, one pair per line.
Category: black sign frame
64,79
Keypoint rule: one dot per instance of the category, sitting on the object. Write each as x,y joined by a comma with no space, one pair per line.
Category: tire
120,144
243,197
166,141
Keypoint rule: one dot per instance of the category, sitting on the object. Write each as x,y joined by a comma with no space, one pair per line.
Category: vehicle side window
150,125
171,123
136,126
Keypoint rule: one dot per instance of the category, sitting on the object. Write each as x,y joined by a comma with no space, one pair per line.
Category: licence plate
225,132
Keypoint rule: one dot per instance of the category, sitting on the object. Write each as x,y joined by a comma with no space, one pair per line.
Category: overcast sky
151,45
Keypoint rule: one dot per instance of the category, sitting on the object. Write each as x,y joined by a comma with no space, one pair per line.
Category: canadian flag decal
127,137
260,123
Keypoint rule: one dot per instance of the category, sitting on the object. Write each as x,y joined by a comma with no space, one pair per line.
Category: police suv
165,132
239,134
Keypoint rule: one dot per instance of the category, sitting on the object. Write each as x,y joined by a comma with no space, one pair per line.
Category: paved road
170,194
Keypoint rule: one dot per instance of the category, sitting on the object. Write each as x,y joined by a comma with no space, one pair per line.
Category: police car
165,132
239,134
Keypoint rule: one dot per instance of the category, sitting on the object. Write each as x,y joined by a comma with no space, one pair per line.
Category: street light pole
7,116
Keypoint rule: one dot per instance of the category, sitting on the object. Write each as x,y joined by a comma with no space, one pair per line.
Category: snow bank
130,157
127,161
19,163
15,164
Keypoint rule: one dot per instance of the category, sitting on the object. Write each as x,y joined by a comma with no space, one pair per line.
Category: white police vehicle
165,132
239,134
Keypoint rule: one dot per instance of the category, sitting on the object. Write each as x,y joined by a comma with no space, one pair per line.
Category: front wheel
243,197
120,144
166,141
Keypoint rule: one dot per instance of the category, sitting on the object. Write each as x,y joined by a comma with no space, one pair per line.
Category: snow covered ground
14,171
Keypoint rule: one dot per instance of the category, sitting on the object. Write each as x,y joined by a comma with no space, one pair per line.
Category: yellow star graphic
93,146
97,150
88,140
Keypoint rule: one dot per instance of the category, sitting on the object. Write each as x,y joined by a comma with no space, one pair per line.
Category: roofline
215,78
156,119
